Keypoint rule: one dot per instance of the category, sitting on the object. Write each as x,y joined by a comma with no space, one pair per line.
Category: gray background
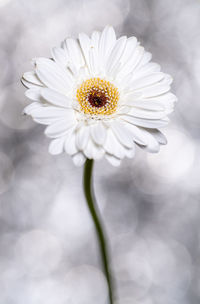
150,205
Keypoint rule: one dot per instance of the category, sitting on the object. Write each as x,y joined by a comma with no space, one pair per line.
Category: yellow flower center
97,96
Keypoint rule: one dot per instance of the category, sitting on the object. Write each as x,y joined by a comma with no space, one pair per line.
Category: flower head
100,96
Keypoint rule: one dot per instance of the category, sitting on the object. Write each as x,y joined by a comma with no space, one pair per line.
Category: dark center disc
97,99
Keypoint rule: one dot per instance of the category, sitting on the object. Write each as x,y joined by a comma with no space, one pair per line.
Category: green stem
97,222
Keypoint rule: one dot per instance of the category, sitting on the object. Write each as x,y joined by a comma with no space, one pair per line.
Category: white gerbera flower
99,96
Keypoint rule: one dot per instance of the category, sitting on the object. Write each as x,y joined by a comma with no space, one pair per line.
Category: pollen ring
97,96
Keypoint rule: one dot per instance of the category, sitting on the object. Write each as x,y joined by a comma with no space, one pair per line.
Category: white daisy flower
100,96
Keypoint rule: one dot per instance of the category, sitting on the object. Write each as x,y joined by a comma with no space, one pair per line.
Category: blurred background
150,205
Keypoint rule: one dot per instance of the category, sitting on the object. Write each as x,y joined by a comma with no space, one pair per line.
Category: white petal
78,159
75,54
32,77
56,146
146,70
82,137
129,95
97,151
145,59
56,98
94,64
93,151
130,57
136,58
34,94
53,112
113,60
122,133
138,135
53,76
94,57
147,80
70,143
98,133
155,90
60,56
106,44
28,84
95,39
131,44
85,43
146,123
113,160
123,109
88,151
45,120
59,128
147,114
160,137
145,104
165,99
113,146
28,109
153,145
127,71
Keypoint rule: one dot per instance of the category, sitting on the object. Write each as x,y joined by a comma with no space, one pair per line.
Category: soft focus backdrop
48,250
